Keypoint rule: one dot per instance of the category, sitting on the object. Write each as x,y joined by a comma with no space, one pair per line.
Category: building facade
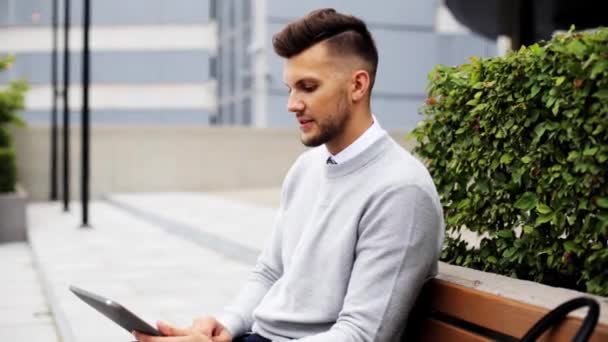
412,37
150,59
210,62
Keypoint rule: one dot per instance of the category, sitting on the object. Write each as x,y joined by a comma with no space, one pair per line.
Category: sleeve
237,317
396,252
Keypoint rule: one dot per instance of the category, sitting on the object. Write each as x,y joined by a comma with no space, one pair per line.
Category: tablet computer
116,312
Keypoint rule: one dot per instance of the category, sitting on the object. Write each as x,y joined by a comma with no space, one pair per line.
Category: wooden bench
450,312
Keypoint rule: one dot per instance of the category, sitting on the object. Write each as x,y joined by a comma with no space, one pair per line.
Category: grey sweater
352,246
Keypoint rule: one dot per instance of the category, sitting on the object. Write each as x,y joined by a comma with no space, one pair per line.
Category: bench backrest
449,312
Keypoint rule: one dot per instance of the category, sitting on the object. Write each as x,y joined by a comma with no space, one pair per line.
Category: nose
294,105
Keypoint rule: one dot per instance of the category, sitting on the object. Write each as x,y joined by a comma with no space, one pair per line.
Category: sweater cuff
233,323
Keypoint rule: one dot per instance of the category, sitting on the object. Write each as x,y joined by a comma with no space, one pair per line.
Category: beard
330,127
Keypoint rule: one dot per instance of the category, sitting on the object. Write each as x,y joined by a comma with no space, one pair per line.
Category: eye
309,87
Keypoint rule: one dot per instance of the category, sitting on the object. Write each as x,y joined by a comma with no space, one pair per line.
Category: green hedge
518,149
12,99
5,137
8,170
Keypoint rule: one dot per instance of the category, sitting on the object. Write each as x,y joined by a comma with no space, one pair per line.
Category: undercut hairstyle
343,35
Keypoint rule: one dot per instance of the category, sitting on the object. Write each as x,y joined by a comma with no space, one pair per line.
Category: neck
360,121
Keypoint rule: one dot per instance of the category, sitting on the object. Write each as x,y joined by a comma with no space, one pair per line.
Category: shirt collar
373,133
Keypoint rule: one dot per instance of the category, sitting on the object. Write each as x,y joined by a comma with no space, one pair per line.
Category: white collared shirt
373,133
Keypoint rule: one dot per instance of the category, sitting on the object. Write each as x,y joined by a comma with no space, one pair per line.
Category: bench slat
496,313
432,330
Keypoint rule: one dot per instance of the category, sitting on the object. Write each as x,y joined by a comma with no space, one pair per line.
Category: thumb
169,330
224,336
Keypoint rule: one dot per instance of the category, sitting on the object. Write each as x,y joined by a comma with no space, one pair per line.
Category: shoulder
308,161
308,164
398,168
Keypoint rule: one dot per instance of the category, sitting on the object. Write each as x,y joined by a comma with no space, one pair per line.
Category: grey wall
171,117
109,12
117,67
158,158
410,13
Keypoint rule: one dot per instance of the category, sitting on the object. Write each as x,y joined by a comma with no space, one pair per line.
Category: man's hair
343,34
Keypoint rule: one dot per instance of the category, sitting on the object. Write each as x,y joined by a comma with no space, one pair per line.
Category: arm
398,248
238,316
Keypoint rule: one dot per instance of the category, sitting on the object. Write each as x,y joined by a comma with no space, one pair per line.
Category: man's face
318,95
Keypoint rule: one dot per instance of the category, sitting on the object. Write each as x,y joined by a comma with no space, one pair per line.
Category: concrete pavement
166,256
24,311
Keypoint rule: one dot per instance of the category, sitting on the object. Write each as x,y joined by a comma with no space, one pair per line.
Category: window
213,67
213,9
246,110
246,11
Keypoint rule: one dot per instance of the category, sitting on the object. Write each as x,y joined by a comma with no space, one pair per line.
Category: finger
205,326
170,330
147,338
224,336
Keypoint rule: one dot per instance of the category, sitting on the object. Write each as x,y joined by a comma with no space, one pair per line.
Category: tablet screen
116,312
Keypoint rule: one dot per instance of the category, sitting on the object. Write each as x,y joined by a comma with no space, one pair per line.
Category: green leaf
506,158
472,102
505,233
598,69
491,259
601,94
577,48
602,202
526,202
560,80
509,252
540,130
590,151
526,160
543,208
536,49
535,90
570,246
572,156
545,218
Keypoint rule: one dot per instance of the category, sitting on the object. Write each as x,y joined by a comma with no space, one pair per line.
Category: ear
360,85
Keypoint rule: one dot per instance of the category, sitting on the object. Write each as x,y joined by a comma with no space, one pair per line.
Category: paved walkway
165,256
24,311
170,256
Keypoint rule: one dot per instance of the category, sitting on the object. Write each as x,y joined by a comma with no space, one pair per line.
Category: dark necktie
331,161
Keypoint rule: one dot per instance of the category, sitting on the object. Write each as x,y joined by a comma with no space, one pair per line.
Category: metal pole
85,115
54,55
66,108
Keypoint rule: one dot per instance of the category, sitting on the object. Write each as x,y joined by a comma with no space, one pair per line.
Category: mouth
305,123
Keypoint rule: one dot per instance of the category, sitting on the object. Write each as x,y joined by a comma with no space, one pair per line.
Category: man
359,228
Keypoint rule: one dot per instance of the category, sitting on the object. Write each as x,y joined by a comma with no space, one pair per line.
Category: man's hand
204,329
211,327
173,334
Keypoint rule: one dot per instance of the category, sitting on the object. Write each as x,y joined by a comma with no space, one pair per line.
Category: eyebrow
303,80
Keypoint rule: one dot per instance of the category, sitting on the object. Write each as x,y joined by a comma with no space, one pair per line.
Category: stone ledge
525,291
13,220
